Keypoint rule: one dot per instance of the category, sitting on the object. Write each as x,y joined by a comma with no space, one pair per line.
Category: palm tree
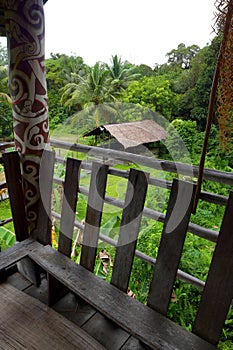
91,94
5,98
121,74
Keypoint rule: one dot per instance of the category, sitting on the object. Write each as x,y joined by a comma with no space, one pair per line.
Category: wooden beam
171,245
15,190
218,290
69,202
93,215
130,226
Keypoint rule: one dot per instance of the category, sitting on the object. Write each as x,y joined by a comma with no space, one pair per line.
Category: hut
131,135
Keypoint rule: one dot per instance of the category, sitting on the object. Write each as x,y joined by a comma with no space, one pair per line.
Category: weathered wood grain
14,183
147,325
69,203
75,309
106,332
40,293
26,323
93,215
171,245
130,225
56,290
18,281
166,165
17,252
44,225
218,290
134,344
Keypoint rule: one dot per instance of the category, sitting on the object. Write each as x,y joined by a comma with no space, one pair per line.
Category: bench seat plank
147,325
17,252
26,323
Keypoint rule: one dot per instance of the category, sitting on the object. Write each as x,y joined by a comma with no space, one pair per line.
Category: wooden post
27,83
24,21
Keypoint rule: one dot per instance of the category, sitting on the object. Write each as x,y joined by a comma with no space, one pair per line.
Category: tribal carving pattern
27,83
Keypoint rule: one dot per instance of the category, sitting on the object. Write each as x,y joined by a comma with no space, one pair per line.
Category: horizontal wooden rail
181,275
165,165
204,195
198,230
161,165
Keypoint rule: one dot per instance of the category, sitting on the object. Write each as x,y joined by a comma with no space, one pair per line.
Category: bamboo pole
211,109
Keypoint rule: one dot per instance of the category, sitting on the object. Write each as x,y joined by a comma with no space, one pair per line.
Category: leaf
7,236
5,98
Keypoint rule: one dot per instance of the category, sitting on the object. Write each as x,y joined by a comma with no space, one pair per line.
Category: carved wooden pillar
25,33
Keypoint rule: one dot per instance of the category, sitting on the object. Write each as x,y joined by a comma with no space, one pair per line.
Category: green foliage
6,122
62,69
182,56
152,92
3,56
6,214
183,138
144,70
121,74
57,113
7,238
179,88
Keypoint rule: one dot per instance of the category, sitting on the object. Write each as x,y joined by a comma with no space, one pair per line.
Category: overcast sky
138,31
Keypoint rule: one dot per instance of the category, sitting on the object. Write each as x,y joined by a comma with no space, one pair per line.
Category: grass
5,213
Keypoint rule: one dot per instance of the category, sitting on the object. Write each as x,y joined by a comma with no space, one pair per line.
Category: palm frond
5,98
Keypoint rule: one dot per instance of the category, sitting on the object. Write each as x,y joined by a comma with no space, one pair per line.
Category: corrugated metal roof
134,133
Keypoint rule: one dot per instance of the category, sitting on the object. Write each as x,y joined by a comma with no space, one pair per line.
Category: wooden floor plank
26,323
106,332
38,293
74,309
134,344
18,281
149,326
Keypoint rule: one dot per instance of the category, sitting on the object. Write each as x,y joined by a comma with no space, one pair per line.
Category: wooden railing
149,163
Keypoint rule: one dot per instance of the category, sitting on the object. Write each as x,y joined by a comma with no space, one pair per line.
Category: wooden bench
147,323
